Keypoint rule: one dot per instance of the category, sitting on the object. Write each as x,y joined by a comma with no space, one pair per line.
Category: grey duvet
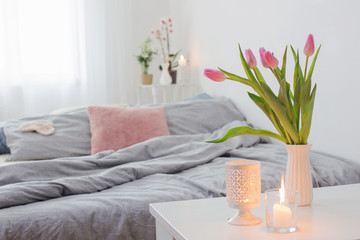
107,196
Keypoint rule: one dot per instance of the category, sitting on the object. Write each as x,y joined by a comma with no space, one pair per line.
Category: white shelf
166,93
334,214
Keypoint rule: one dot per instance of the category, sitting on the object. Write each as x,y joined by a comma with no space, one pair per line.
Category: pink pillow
114,128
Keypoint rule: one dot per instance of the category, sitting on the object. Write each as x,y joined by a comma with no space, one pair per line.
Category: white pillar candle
282,216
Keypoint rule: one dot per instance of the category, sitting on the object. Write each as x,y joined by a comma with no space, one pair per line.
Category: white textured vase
165,78
298,174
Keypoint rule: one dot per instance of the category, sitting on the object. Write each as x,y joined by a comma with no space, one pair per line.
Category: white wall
212,29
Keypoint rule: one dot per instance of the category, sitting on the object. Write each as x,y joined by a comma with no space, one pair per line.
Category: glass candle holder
281,211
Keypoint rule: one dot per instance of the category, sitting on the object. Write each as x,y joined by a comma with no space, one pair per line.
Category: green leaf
259,75
283,68
313,64
293,52
245,130
246,67
305,129
297,103
277,123
304,97
259,101
245,81
300,73
285,98
296,73
235,77
280,111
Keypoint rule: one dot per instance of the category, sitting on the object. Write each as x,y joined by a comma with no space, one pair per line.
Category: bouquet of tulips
290,111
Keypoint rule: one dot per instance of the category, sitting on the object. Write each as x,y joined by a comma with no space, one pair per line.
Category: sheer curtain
58,53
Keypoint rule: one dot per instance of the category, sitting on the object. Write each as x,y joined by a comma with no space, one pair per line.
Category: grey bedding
107,196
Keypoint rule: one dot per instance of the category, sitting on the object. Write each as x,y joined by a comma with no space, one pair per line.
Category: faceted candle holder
243,190
281,214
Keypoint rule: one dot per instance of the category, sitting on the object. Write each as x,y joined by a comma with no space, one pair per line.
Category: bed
107,195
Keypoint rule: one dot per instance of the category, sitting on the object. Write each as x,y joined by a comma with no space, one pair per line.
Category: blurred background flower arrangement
168,57
145,58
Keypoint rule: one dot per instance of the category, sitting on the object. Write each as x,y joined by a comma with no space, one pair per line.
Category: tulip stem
306,67
278,73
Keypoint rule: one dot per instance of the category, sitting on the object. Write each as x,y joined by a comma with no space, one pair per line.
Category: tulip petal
250,59
271,60
262,52
309,46
214,75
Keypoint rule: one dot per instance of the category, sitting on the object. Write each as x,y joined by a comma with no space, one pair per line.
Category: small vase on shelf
173,74
298,174
165,78
146,79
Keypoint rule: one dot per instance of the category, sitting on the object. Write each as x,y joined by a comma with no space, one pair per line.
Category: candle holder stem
244,217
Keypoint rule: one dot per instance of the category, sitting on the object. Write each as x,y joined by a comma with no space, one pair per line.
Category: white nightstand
334,214
167,93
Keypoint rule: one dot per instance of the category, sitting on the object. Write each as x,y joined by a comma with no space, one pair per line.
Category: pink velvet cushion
114,128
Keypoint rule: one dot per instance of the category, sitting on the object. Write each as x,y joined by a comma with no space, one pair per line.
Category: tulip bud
250,59
271,60
309,46
262,52
214,75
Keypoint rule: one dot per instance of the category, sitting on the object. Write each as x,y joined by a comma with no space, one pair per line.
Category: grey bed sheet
107,196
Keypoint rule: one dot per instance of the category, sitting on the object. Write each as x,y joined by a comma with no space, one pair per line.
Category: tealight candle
281,214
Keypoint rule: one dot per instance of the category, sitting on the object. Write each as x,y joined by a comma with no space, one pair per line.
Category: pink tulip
250,59
262,52
271,60
309,46
214,75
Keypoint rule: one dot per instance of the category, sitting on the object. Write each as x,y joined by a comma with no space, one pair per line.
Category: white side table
167,93
334,214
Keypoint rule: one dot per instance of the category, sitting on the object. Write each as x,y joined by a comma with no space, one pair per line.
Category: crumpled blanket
107,196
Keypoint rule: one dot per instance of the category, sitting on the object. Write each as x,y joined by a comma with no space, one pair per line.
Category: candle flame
282,190
181,57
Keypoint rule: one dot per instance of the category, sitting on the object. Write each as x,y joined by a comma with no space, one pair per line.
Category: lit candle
182,61
282,214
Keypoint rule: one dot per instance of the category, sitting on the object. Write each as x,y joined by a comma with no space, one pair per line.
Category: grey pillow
201,116
72,137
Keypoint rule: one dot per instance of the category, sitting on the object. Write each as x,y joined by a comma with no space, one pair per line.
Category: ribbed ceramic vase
298,174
